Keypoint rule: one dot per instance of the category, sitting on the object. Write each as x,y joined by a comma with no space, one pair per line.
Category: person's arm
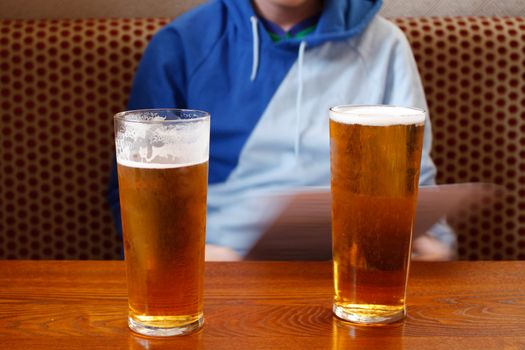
404,88
158,83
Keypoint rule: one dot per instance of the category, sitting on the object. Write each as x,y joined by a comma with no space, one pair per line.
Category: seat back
62,80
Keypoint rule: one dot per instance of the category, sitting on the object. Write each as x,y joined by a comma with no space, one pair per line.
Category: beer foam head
162,138
381,115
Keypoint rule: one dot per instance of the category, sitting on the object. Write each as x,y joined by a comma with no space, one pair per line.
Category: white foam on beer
377,115
162,145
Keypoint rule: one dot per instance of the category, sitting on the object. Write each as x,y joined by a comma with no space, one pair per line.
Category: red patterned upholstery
62,80
473,71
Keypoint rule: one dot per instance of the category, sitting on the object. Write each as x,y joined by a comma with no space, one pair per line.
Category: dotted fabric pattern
62,80
473,72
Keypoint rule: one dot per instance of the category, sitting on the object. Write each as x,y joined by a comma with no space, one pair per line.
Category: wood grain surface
263,305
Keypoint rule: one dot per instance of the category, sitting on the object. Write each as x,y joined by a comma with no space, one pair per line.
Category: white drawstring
300,59
255,61
298,101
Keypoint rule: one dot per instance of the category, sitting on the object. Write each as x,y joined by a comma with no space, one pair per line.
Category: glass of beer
375,154
162,161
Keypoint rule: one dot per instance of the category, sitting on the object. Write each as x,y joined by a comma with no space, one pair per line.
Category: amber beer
163,208
164,222
375,160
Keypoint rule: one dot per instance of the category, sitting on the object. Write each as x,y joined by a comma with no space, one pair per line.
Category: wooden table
263,305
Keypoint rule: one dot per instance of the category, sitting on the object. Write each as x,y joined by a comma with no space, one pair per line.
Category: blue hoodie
269,101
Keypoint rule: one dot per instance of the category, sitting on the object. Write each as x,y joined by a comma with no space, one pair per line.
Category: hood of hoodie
340,19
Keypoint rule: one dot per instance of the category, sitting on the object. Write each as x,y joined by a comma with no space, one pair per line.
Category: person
268,71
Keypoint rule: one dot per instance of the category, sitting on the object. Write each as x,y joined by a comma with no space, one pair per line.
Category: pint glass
162,161
375,154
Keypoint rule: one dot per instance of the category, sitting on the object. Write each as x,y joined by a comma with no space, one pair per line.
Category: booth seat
62,80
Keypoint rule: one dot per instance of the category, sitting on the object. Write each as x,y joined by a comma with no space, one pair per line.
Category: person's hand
428,248
217,253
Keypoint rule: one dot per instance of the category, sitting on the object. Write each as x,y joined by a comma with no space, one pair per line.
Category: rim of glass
121,116
415,110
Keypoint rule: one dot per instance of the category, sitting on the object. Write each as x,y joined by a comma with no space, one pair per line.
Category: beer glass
375,154
162,161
